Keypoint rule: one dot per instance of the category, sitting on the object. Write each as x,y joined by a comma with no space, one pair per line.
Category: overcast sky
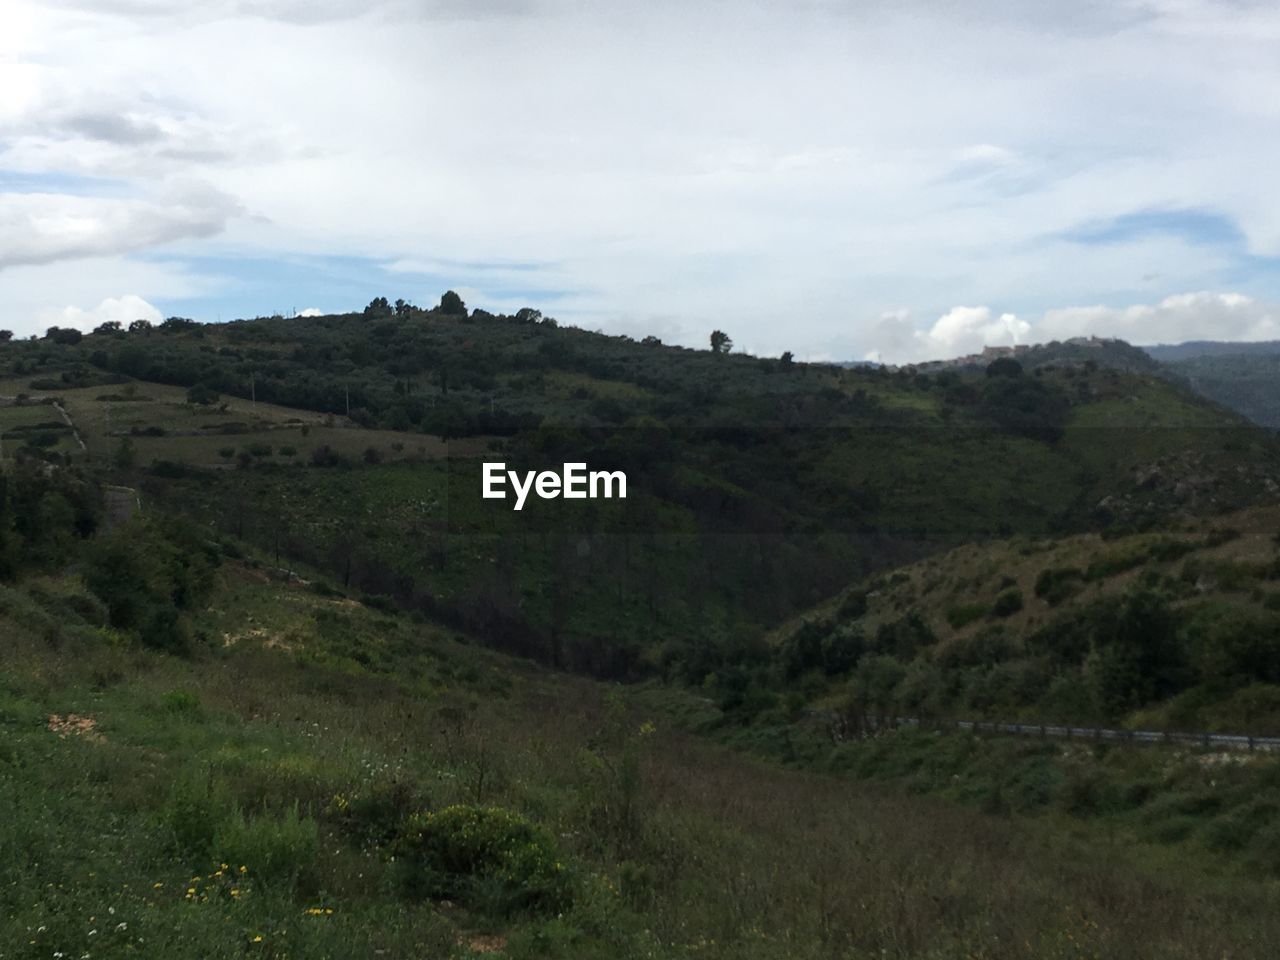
843,180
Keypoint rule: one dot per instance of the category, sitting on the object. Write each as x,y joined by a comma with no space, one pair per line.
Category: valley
301,684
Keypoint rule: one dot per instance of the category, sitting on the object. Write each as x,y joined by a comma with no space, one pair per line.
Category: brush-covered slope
755,487
1176,628
203,756
1248,383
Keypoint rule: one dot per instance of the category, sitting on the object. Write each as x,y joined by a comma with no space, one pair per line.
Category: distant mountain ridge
1108,352
1242,376
1173,352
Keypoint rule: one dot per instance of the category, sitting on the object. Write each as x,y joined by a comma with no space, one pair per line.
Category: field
160,424
235,804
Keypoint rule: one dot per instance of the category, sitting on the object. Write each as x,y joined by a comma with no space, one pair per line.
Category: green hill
259,699
306,776
1248,383
741,470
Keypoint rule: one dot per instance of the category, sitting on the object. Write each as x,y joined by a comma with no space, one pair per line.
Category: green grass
296,762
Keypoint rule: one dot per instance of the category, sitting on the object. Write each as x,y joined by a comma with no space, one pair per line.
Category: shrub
1056,584
192,815
260,449
903,638
325,456
181,703
203,395
374,813
489,858
274,848
854,605
966,613
802,651
842,649
1008,603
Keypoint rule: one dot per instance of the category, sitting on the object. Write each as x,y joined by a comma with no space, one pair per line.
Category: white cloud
123,310
35,297
311,312
1187,316
895,337
43,227
668,166
958,332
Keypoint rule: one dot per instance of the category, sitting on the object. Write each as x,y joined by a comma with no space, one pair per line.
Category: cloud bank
808,176
1175,319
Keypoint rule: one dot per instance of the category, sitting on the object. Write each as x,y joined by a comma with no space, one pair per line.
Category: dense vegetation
1246,383
741,470
261,716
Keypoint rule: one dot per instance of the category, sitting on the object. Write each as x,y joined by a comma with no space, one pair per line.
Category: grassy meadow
247,801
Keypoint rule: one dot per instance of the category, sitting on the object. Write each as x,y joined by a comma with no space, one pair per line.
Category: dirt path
66,418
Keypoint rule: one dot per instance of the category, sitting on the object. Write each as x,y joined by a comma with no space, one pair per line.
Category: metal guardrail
1225,741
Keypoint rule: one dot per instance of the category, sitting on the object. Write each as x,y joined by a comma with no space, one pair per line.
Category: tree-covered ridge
1248,383
757,486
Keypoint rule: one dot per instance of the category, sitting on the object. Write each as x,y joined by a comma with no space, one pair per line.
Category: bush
489,858
325,456
1056,584
966,613
1008,603
374,812
192,815
181,703
274,848
203,395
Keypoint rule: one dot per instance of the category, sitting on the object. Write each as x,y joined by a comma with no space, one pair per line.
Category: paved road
1222,741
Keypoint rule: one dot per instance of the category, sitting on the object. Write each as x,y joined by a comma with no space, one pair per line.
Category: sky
883,179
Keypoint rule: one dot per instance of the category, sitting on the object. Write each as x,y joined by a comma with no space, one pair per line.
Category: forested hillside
258,698
1248,383
359,446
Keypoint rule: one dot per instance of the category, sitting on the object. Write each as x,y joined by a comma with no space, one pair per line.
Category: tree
6,336
1004,367
64,335
787,358
110,328
378,307
452,305
140,326
403,308
202,394
1025,406
125,455
528,315
720,342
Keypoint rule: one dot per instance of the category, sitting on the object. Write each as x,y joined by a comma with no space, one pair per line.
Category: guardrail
1225,741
